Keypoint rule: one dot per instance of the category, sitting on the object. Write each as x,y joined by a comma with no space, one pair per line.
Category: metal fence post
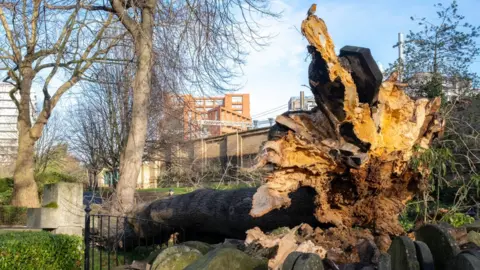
86,265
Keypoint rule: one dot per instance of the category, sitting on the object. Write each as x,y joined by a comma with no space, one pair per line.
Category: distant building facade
294,104
452,87
214,116
8,124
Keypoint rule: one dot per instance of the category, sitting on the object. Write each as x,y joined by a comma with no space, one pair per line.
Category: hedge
40,250
12,215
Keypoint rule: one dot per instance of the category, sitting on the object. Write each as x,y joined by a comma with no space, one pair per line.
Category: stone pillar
62,209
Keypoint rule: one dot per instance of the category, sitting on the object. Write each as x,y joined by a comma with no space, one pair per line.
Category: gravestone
384,262
465,261
403,254
440,242
302,261
424,256
62,210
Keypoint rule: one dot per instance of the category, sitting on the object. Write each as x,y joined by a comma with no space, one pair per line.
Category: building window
237,107
240,112
219,102
237,99
199,102
209,102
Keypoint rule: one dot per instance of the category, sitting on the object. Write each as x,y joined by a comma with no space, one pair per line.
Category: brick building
213,116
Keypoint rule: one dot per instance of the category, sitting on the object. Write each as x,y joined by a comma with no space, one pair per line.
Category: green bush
458,219
6,190
12,215
40,250
50,177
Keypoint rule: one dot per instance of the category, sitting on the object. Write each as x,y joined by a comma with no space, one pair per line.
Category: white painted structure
8,124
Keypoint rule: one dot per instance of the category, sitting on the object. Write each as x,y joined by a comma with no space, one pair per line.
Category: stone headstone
302,261
441,244
384,262
475,226
175,258
424,256
290,260
474,237
403,254
62,209
204,248
367,251
227,258
464,261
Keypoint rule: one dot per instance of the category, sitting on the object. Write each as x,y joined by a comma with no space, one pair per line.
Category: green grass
183,190
180,190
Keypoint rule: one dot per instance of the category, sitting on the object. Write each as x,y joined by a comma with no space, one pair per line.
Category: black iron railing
111,240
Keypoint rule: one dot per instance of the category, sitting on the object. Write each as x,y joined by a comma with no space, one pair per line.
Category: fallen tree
219,214
354,149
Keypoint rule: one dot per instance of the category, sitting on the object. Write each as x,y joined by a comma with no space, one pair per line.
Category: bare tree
99,123
43,44
45,147
201,44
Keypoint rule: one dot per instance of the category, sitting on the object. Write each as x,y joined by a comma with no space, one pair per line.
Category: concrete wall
235,149
231,151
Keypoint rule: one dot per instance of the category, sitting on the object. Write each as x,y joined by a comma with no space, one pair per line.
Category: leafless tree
99,123
201,45
45,146
42,44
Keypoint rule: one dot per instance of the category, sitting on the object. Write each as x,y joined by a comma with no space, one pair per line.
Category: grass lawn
179,190
183,190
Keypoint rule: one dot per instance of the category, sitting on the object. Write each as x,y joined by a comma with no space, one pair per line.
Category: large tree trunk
131,160
25,191
223,214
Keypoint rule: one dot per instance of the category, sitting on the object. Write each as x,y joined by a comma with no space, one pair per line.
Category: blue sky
278,72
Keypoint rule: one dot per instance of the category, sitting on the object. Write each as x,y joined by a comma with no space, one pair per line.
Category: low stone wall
62,209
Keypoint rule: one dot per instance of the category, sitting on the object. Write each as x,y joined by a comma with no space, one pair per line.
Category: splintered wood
356,155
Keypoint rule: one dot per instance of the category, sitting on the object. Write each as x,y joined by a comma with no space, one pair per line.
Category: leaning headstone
289,262
403,254
424,256
62,209
440,242
368,252
227,258
204,248
384,262
175,258
474,237
302,261
475,226
232,243
464,261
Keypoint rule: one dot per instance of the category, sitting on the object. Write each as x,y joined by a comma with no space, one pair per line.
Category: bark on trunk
25,191
223,213
131,160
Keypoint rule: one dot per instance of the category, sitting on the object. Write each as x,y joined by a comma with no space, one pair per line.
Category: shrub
458,219
6,190
40,250
50,177
12,215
